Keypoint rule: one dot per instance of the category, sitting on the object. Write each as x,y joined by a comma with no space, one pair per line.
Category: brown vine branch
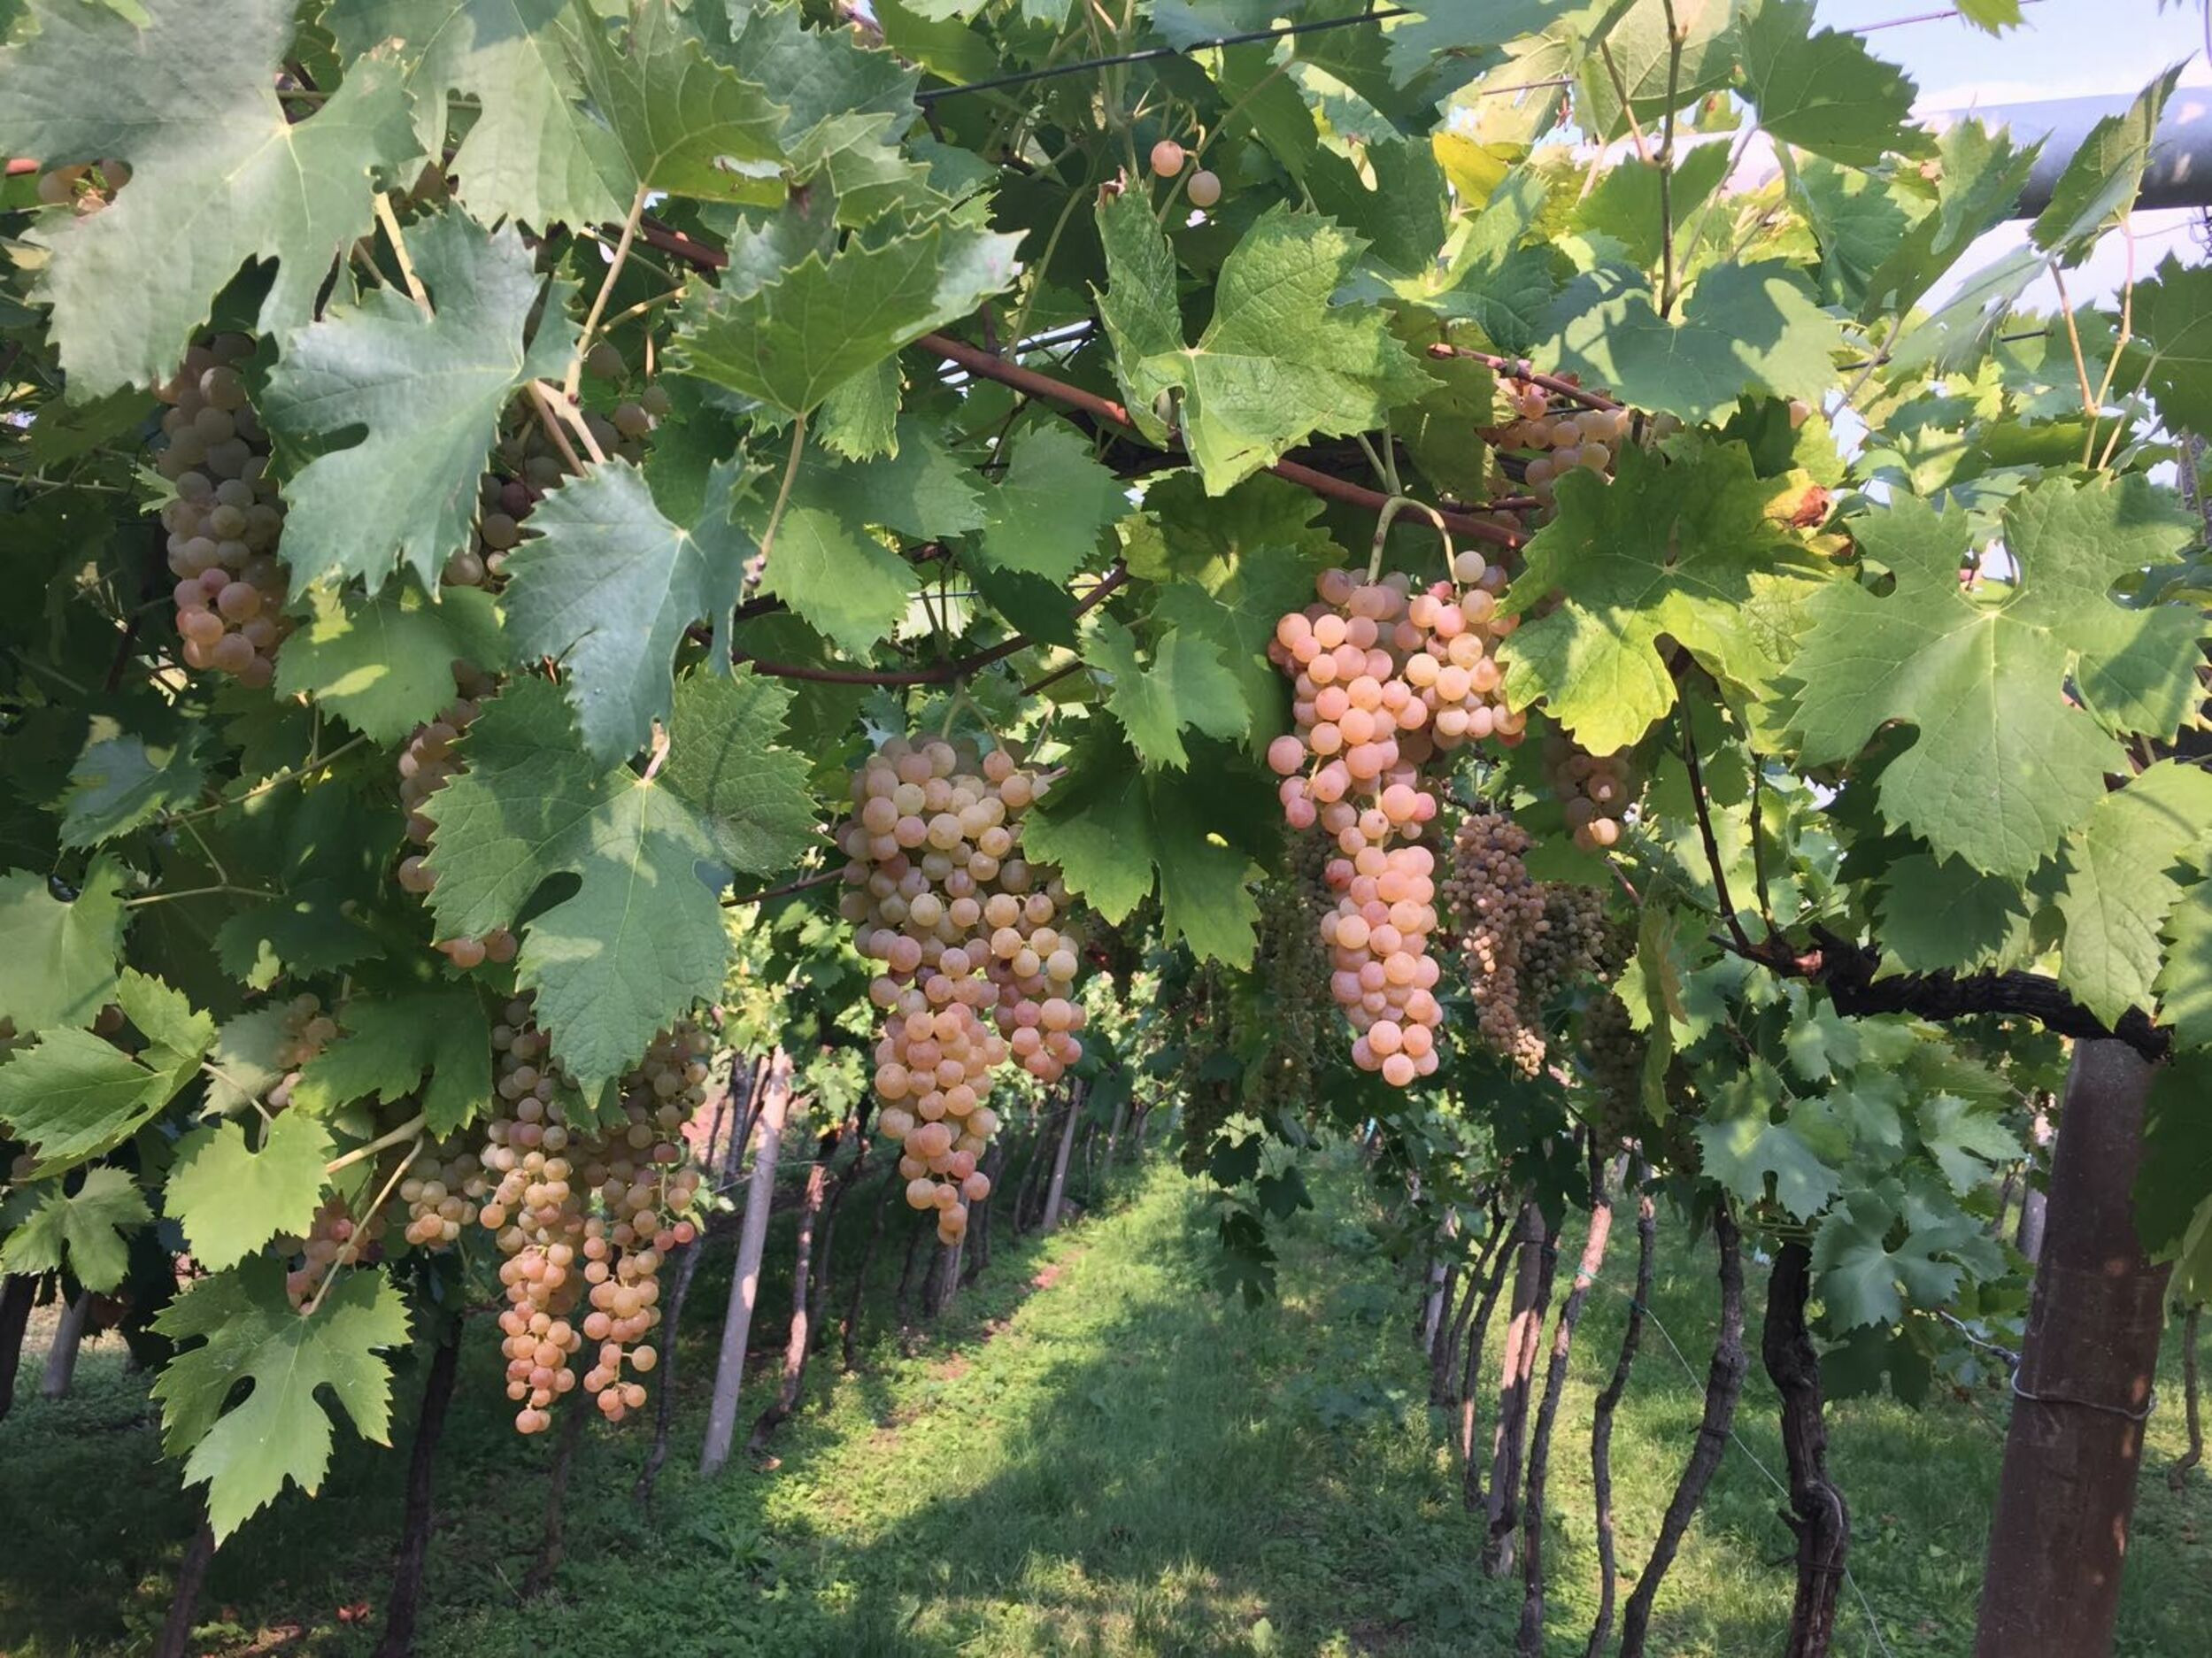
1705,833
988,365
1521,369
819,878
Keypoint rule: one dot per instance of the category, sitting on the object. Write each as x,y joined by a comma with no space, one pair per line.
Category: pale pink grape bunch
334,1240
1555,436
975,973
225,519
1382,973
1595,789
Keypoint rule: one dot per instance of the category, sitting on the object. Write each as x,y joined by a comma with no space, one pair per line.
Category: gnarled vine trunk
1817,1514
665,1403
797,1341
61,1357
1723,1386
1058,1191
552,1540
1531,1298
849,1333
406,1599
1477,1339
2051,1581
176,1640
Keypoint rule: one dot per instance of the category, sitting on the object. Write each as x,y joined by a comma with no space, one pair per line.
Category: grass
1092,1453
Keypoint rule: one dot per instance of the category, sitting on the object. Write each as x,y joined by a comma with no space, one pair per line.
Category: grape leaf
1641,53
2175,1169
81,1231
640,938
388,1046
2103,176
73,1095
2174,315
1051,506
60,963
922,489
1183,684
427,392
1138,309
121,783
218,175
247,1059
2185,984
1995,16
1823,90
231,1200
839,94
1939,915
247,1330
2119,884
2003,766
686,124
1112,825
1979,174
1741,1150
1964,1139
1278,363
1743,327
606,586
839,579
1861,1275
383,662
1677,547
533,153
793,340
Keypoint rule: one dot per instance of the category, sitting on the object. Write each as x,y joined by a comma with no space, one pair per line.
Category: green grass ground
1092,1454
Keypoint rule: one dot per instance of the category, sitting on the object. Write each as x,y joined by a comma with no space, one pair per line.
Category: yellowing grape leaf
639,939
246,1330
2004,765
218,174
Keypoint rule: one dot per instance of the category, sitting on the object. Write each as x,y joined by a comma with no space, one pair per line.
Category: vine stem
558,402
2073,338
213,890
1674,38
1392,508
783,491
542,400
383,1143
2112,362
304,768
391,222
606,291
1521,368
1712,843
819,878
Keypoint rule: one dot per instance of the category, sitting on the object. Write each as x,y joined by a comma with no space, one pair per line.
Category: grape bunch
225,521
308,1030
334,1240
1574,942
586,1216
1384,977
1498,909
444,1192
1615,1051
974,972
503,504
1595,789
1553,438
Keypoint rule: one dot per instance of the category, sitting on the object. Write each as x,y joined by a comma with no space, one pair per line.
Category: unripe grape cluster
1616,1051
974,973
503,504
586,1216
1555,436
1572,943
1595,789
225,519
1497,908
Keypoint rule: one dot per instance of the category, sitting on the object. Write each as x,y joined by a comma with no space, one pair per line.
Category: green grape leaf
121,783
1051,507
1137,306
231,1199
425,390
2174,316
1861,1276
60,963
1964,1139
2100,180
389,1045
73,1095
1742,1150
2120,885
1939,915
533,153
1993,16
2185,984
248,1058
383,662
1278,363
246,1328
840,94
640,937
1823,90
1112,825
606,586
1979,174
922,489
218,175
1665,53
1183,684
1680,548
2176,1170
1743,328
81,1231
686,124
839,580
793,340
2002,766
